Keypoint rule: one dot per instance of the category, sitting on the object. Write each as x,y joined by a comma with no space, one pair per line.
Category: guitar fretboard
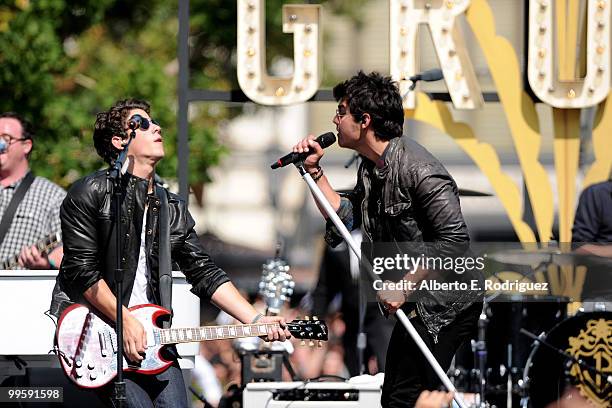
187,335
44,246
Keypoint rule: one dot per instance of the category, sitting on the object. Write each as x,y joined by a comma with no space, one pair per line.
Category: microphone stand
115,177
401,316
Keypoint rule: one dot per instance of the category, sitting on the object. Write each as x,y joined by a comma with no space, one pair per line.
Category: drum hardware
479,348
570,359
502,349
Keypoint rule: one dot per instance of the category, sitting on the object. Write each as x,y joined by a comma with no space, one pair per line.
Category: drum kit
530,352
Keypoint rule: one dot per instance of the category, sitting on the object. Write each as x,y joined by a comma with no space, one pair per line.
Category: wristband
318,174
52,264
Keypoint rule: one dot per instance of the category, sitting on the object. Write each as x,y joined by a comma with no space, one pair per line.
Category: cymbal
464,192
546,256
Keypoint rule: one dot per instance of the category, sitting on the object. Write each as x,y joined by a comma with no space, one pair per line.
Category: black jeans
407,372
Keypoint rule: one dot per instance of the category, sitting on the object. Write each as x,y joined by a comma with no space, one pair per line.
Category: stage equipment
358,392
575,353
88,345
494,366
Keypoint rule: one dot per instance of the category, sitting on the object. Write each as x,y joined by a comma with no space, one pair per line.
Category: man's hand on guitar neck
32,258
281,333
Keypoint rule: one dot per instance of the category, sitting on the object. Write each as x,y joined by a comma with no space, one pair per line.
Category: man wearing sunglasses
87,272
36,216
403,196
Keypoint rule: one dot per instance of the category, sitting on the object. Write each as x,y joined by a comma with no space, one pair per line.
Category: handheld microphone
325,140
3,146
135,122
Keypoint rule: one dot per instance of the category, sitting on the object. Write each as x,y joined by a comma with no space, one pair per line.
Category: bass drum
548,375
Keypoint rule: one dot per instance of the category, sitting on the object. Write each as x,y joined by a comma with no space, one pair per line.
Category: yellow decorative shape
520,113
567,151
602,138
484,155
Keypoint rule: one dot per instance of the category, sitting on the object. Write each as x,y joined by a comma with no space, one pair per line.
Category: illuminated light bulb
251,74
542,29
600,69
449,4
571,94
251,52
451,53
591,89
427,6
542,74
307,75
403,31
251,30
458,76
444,30
260,88
601,5
542,53
543,5
307,53
551,89
601,25
251,7
403,53
600,49
293,18
308,29
280,91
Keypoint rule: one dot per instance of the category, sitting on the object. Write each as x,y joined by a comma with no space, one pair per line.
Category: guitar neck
44,246
188,335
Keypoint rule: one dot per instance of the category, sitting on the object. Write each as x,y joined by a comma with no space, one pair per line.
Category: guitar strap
165,262
20,192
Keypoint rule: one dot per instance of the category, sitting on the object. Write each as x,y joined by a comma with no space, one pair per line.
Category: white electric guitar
87,343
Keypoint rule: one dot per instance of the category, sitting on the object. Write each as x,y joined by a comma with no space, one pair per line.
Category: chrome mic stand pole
320,197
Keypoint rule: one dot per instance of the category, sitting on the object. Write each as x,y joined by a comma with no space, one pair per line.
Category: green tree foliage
62,61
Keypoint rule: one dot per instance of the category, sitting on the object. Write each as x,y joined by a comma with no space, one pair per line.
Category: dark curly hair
377,95
112,123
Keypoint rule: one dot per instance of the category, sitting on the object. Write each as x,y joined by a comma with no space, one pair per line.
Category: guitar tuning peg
315,318
311,343
306,317
320,344
302,343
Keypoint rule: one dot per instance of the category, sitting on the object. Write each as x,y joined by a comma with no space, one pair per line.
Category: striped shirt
36,217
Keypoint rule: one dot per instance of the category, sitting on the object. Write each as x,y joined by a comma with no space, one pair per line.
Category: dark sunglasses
138,121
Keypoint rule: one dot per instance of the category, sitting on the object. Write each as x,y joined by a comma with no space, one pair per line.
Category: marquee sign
554,70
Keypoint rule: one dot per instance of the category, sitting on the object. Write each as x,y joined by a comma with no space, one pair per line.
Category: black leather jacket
418,203
88,232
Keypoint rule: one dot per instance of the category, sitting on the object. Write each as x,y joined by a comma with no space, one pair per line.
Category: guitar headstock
308,329
276,285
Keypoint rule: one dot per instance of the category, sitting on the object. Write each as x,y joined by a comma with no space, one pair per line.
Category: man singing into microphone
403,194
87,270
